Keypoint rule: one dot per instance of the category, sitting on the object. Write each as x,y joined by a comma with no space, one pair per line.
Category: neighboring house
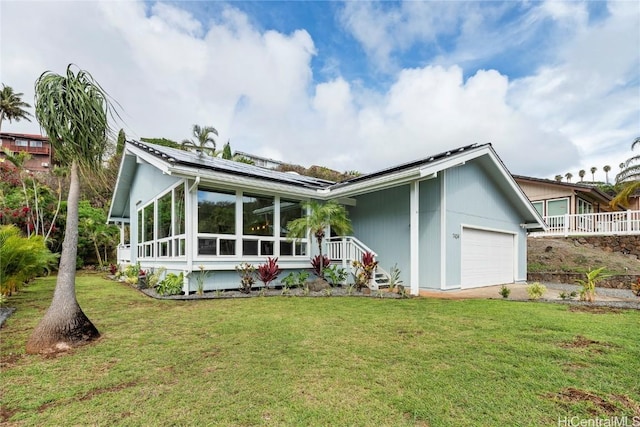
263,162
553,198
36,145
454,220
577,209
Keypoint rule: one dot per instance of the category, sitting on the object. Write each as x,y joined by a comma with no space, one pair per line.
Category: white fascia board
117,185
160,164
379,183
246,183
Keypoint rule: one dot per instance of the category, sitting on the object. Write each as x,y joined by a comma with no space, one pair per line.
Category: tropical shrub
635,287
536,290
504,291
171,284
21,258
247,277
365,269
394,277
335,275
269,271
200,278
317,266
588,291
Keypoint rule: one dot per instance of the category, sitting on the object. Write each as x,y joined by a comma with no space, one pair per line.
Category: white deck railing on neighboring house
594,224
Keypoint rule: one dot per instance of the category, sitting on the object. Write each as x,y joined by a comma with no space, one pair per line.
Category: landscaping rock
318,285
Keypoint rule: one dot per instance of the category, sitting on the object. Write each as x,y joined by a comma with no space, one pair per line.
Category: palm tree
320,217
73,110
568,175
581,174
593,171
606,170
629,176
558,178
11,106
203,140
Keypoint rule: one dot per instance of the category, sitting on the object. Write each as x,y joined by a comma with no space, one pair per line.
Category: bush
171,284
21,258
269,271
315,264
504,291
588,291
536,290
247,277
335,275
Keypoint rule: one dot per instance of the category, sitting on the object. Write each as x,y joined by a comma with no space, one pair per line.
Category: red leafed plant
365,269
318,269
269,271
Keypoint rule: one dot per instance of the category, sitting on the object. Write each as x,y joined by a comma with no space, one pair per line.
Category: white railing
124,254
346,249
598,224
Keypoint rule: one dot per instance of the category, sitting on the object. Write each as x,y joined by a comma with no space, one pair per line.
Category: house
37,146
552,198
453,220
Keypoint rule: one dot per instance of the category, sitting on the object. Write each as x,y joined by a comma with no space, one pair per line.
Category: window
257,215
35,144
164,216
21,143
216,212
539,207
290,210
584,207
178,210
557,207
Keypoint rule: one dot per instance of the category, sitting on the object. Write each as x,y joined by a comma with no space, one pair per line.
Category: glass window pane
164,216
216,212
266,248
178,201
207,246
286,248
227,247
289,210
301,248
35,143
538,206
257,215
148,223
557,207
249,247
140,226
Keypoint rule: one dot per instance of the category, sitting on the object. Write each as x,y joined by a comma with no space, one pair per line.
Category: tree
164,142
558,178
628,177
568,175
226,151
122,137
74,111
204,141
320,217
606,170
593,171
12,106
581,174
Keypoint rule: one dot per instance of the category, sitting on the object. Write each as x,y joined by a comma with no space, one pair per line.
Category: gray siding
472,198
429,223
381,221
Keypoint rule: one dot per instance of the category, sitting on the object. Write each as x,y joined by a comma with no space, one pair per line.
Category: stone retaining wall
613,282
628,245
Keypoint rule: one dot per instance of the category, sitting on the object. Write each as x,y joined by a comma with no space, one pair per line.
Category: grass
319,361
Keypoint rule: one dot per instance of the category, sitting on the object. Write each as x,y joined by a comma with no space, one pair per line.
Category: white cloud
169,71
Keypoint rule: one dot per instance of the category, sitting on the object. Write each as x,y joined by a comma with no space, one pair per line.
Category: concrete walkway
519,292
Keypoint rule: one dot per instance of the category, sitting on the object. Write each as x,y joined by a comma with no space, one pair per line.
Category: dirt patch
566,255
612,405
89,395
10,360
581,342
595,309
6,413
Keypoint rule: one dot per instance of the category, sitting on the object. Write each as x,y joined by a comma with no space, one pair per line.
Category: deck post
566,225
414,230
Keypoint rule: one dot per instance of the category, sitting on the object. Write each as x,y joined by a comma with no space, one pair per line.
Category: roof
10,135
582,188
187,164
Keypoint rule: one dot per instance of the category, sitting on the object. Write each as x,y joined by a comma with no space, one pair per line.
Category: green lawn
320,361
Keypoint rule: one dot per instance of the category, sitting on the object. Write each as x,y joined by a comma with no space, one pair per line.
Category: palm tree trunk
65,325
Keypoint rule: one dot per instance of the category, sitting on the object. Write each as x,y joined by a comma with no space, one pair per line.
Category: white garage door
488,258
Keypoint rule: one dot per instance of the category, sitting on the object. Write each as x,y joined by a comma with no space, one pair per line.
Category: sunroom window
216,223
161,226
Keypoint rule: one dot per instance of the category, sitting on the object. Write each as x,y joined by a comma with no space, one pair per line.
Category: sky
553,85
